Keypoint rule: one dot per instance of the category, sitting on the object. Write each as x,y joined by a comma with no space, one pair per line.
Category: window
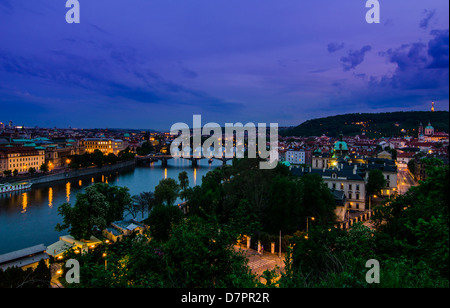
357,187
349,195
342,186
334,185
357,196
349,186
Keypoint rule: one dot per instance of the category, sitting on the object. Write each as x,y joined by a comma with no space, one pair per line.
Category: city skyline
148,65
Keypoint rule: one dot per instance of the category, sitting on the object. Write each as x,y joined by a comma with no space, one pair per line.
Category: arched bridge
165,157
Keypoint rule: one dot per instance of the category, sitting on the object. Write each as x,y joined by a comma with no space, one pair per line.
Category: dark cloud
419,65
93,75
438,49
354,58
426,20
334,46
407,56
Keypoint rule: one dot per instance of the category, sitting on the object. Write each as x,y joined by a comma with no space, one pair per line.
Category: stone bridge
165,157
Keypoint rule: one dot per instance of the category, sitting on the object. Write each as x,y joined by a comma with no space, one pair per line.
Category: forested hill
374,125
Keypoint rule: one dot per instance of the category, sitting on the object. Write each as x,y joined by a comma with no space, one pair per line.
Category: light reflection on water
28,218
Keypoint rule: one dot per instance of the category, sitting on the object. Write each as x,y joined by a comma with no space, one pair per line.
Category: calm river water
28,218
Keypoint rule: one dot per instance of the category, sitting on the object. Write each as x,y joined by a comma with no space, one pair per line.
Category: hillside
374,125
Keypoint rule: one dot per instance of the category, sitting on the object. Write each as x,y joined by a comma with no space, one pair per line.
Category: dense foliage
410,241
99,159
14,277
272,200
95,209
375,125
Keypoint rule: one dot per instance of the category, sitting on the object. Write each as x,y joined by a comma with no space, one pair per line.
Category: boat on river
6,188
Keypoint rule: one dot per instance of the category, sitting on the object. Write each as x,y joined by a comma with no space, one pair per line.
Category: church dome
340,146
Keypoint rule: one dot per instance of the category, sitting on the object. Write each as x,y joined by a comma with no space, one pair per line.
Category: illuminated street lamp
106,262
307,222
370,200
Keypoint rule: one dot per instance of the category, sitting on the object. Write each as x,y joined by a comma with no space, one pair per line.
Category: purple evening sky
151,63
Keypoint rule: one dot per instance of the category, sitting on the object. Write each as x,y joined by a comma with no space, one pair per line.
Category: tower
432,106
429,130
420,135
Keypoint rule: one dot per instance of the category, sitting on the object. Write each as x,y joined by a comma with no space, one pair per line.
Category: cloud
419,65
426,20
124,80
334,46
438,49
354,58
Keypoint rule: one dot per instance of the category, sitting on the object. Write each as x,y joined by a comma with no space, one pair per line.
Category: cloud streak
354,58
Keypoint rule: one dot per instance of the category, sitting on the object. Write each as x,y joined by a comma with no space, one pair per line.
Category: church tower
429,130
432,106
420,134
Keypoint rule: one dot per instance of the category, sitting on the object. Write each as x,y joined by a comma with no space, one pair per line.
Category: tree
98,158
32,170
184,183
167,191
15,277
142,203
7,172
44,168
15,172
96,208
201,255
145,149
376,182
161,221
415,226
118,199
85,216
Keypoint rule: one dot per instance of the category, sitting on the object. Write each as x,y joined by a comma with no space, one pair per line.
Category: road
404,181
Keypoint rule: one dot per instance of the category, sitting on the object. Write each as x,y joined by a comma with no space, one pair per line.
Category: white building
296,157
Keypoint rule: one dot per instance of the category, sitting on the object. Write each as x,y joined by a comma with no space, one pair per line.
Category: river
29,217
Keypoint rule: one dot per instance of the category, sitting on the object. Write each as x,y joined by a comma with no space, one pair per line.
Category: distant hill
375,125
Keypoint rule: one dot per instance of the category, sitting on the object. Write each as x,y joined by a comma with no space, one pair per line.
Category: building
67,242
24,258
297,157
105,145
428,134
390,175
21,159
58,157
348,181
320,160
403,159
119,229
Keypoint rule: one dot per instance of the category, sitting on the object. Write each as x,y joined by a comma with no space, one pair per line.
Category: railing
350,222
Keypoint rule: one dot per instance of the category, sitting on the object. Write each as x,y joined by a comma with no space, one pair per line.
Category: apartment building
21,159
105,145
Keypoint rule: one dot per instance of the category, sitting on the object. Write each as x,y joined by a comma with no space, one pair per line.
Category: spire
432,106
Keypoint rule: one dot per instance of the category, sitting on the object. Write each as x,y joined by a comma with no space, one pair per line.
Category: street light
370,199
106,264
307,222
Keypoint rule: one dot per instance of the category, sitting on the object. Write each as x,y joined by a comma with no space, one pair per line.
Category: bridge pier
164,162
194,162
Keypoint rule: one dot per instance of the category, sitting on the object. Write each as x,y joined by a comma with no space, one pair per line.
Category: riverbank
70,173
